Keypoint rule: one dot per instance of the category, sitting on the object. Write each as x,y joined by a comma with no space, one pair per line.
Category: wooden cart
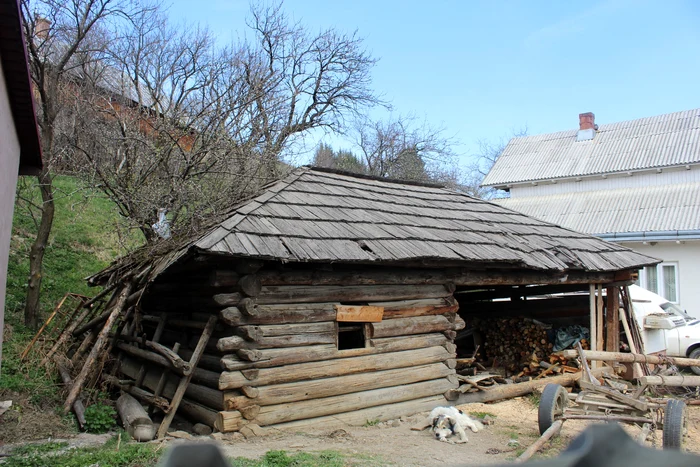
597,402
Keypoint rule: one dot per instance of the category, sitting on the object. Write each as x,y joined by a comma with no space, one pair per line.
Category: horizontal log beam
278,314
360,417
327,387
267,358
674,381
331,293
274,414
227,344
409,326
331,368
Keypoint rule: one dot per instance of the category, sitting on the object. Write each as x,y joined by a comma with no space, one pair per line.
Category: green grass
301,459
85,238
56,455
482,414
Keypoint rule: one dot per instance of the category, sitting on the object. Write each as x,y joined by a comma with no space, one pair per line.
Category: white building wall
612,182
687,257
9,167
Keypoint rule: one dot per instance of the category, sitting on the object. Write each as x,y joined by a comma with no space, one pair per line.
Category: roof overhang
15,65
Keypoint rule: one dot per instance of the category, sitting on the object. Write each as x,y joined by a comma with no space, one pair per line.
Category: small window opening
351,336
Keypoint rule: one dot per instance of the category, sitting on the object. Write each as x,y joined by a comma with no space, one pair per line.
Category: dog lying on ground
448,421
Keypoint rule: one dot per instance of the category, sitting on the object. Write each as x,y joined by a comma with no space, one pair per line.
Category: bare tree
171,121
405,149
489,151
58,35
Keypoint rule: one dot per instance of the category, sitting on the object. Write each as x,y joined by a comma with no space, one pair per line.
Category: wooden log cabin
329,297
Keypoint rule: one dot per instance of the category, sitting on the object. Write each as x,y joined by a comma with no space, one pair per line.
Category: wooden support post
97,348
600,322
612,320
180,392
593,324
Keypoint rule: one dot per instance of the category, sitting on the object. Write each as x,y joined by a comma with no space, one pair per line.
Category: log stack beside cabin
328,298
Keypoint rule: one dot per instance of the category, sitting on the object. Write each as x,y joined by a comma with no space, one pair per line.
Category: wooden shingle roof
316,215
321,216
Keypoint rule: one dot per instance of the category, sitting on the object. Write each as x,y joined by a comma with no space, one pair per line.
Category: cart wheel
552,404
674,424
695,354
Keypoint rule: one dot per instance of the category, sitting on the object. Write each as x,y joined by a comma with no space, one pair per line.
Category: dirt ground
514,428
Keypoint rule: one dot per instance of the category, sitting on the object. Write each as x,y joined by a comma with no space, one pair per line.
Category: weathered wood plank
326,387
273,414
408,326
359,314
330,368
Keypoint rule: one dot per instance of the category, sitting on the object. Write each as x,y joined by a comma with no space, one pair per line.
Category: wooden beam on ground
551,432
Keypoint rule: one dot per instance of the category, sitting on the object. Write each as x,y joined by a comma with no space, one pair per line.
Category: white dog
448,421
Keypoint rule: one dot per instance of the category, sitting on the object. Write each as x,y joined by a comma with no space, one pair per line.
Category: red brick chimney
586,121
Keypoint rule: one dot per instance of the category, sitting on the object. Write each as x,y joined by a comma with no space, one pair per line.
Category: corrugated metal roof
646,209
646,143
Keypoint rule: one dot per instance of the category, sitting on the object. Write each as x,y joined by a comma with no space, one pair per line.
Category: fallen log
78,406
631,358
135,419
551,431
509,391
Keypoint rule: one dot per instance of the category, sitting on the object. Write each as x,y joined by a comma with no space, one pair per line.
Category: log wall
276,346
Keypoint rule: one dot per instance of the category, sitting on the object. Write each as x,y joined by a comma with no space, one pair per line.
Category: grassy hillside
85,238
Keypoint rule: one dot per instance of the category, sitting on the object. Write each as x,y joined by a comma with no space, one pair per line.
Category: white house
20,151
636,183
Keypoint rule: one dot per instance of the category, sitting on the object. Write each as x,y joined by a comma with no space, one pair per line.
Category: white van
665,326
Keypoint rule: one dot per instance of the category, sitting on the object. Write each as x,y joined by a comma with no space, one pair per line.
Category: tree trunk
36,254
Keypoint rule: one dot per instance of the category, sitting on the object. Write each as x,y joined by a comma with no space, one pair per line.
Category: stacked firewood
512,342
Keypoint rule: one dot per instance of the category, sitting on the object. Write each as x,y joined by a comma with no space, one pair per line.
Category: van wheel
695,354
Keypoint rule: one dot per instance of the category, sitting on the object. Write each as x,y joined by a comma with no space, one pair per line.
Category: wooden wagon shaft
631,358
331,293
182,386
675,381
274,414
326,387
552,431
267,358
97,348
607,418
330,368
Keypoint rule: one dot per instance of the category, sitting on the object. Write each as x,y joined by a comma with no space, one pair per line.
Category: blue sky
482,69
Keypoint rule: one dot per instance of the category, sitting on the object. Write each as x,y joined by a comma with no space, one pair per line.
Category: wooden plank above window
359,314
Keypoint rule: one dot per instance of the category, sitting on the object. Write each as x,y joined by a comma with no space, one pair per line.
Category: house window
662,279
351,336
